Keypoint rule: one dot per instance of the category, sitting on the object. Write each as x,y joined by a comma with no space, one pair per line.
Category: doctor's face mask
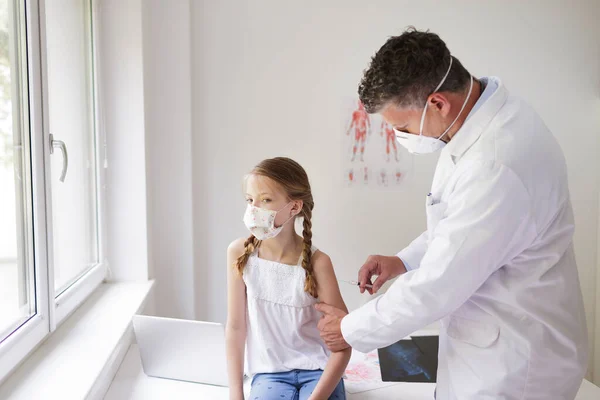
421,144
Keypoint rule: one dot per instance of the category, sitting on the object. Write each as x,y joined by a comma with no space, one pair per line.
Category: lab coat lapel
476,124
466,137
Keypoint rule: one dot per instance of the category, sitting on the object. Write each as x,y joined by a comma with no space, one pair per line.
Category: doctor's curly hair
406,70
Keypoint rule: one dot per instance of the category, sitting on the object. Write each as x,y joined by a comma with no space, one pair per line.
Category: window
17,300
50,173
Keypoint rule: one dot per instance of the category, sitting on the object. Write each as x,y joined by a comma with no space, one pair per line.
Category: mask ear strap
444,78
287,220
287,204
290,202
422,124
461,110
434,91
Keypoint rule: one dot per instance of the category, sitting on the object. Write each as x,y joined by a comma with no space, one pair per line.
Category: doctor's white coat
496,265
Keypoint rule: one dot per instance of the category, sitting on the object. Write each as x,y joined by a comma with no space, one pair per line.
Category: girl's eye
249,201
266,200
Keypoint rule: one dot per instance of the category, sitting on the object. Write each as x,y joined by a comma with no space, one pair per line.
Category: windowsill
79,359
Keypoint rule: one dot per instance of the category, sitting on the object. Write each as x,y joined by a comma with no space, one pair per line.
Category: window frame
52,310
69,299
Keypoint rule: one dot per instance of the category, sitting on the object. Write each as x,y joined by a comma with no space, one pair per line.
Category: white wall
167,95
145,97
268,78
121,93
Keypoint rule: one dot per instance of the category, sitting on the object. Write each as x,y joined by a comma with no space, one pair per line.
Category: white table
131,383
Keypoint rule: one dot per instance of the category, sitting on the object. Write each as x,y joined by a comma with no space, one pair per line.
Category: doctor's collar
478,120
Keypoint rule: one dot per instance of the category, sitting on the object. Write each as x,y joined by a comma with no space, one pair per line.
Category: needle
355,283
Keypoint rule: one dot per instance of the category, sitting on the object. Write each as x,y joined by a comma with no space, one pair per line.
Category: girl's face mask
261,222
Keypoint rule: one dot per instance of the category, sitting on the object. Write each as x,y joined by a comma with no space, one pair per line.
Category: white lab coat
496,265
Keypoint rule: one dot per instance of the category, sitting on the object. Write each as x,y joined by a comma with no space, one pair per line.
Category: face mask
261,222
420,144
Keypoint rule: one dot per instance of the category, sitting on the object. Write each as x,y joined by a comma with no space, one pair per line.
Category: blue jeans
293,385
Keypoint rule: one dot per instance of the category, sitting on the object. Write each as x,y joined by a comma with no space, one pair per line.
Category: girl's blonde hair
292,178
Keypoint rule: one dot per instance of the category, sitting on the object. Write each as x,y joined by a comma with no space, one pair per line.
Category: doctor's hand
330,326
385,267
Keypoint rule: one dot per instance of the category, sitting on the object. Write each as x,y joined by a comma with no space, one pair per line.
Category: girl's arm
329,292
235,330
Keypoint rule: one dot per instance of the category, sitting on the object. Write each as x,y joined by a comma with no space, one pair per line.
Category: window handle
63,148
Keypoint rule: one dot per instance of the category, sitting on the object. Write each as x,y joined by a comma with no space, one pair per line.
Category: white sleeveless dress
281,321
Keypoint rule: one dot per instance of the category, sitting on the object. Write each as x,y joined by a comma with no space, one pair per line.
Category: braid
310,285
250,245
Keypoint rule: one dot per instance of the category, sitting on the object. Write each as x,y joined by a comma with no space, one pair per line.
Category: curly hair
292,178
406,70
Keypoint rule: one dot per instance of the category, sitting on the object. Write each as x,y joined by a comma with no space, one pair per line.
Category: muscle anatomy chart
372,157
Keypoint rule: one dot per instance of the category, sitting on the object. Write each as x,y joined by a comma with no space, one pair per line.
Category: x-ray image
410,360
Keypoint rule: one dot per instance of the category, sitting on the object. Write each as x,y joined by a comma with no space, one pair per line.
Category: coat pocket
475,333
435,213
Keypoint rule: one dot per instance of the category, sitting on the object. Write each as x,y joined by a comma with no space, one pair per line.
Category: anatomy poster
372,157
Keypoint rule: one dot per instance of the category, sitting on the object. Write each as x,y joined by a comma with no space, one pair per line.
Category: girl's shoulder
237,247
320,258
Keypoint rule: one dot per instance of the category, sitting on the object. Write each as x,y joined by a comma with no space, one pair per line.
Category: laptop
184,350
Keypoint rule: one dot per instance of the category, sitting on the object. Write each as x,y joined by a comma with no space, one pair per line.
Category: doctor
496,263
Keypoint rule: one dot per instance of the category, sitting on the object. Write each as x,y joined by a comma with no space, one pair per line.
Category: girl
274,279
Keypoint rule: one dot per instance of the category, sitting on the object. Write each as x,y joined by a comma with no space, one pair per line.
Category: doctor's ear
439,102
